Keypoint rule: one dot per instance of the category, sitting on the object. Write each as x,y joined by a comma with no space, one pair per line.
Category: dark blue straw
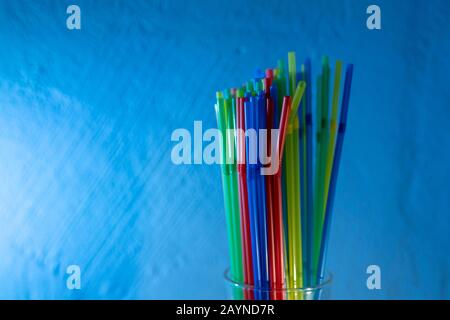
262,209
276,111
335,170
252,202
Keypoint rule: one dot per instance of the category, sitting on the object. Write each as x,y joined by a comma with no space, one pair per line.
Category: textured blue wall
85,124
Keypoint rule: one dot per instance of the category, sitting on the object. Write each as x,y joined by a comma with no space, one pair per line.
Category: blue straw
262,209
335,170
252,203
276,111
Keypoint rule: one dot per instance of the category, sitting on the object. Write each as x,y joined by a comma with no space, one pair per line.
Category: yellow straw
333,131
295,274
292,71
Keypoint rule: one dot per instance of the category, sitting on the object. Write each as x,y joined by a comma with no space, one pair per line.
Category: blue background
86,119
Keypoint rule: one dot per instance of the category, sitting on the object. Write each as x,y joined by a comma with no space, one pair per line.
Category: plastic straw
271,232
322,155
233,226
317,220
309,170
294,224
261,195
335,169
281,89
230,109
243,196
325,135
252,194
333,127
291,192
275,215
278,224
277,200
292,73
302,175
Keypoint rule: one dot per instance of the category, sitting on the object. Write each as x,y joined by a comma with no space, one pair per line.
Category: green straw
325,136
322,158
317,233
333,131
292,72
229,182
291,194
303,189
295,277
230,108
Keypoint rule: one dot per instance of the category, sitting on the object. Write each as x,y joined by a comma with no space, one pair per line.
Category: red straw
273,271
274,202
277,200
268,82
243,200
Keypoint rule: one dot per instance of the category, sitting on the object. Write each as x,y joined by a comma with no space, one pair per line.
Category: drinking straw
268,80
280,122
285,112
333,127
275,209
232,223
317,221
292,163
258,84
249,87
292,180
281,82
277,201
335,169
309,168
302,172
230,110
271,241
278,224
325,130
323,148
243,193
261,195
293,183
276,114
292,72
250,146
269,194
281,85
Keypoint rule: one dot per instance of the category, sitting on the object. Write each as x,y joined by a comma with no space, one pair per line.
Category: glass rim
323,284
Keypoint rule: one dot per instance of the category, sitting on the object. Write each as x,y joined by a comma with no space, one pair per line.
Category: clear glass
242,291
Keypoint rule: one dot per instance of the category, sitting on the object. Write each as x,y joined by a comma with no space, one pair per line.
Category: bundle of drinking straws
279,173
